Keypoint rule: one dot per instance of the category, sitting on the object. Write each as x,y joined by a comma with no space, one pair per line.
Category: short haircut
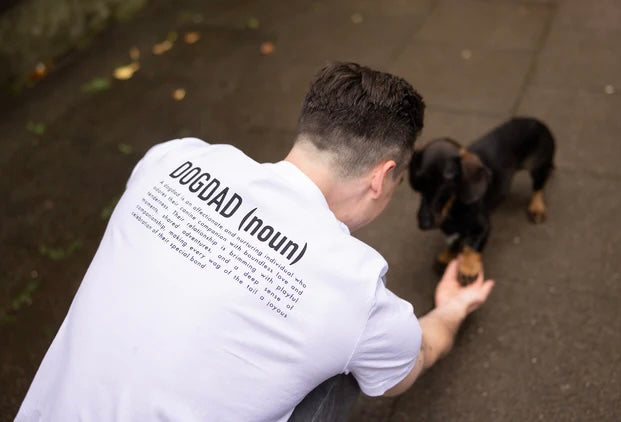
362,116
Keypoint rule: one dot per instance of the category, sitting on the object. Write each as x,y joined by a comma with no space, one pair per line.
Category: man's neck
343,195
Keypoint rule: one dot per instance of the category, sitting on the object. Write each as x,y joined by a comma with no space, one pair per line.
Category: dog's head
443,172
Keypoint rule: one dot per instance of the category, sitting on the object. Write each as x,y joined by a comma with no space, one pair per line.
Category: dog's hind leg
537,210
542,165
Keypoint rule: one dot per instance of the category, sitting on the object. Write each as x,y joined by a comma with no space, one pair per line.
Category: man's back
223,289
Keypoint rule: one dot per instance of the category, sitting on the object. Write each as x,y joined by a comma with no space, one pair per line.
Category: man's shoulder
193,146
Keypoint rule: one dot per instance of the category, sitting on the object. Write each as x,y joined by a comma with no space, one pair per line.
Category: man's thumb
487,288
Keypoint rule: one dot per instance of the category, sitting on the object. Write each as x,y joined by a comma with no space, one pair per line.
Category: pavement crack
530,73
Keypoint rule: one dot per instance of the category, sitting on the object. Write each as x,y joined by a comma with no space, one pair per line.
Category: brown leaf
191,37
252,22
178,94
267,48
172,36
162,47
126,72
40,70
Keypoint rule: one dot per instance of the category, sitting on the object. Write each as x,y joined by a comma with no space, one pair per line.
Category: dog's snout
425,218
425,223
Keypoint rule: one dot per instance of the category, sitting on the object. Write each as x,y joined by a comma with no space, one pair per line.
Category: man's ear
380,173
475,178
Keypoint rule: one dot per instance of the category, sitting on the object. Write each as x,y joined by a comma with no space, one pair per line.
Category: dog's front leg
471,260
453,246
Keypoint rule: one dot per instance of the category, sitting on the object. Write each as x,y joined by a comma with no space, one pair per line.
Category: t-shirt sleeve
389,345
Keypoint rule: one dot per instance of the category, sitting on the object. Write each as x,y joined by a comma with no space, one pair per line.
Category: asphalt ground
547,345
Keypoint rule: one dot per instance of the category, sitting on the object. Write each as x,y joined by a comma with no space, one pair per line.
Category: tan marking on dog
467,155
445,256
537,208
470,265
447,207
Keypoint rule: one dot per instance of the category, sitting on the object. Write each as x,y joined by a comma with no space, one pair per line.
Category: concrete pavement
547,346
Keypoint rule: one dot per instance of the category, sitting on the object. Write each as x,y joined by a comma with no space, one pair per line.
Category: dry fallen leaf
125,149
126,72
267,48
39,71
178,94
252,23
96,85
172,36
162,47
36,128
191,37
134,54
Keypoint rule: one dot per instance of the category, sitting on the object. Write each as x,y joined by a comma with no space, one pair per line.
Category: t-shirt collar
290,171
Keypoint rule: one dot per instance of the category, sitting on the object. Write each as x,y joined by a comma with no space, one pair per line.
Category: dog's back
519,143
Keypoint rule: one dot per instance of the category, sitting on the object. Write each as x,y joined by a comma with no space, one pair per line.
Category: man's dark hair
361,115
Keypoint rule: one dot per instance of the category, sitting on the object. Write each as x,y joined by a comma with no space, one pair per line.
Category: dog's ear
417,158
475,177
415,163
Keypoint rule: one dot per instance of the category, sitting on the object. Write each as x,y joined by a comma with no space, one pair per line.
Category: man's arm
453,303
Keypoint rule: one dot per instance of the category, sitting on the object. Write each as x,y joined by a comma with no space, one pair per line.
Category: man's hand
450,292
453,303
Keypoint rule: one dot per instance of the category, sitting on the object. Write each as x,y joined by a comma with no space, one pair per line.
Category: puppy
460,186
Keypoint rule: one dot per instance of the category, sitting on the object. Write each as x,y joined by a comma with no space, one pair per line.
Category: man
226,290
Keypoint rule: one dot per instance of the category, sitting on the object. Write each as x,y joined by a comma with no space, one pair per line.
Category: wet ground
547,346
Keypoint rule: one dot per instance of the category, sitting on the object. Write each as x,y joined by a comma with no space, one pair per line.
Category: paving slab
578,14
579,58
464,78
555,372
342,39
464,127
552,254
584,123
546,346
547,337
491,25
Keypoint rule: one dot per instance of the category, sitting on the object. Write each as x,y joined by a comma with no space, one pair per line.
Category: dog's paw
536,216
537,208
465,278
470,266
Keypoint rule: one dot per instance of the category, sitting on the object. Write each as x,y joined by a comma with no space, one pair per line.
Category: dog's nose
425,217
425,222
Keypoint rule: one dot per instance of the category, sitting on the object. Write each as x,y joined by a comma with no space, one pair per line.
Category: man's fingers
480,295
479,279
451,270
486,289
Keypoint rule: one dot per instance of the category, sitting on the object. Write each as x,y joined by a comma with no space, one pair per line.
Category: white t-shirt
223,290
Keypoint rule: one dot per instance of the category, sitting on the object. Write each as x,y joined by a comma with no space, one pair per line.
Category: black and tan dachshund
460,186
